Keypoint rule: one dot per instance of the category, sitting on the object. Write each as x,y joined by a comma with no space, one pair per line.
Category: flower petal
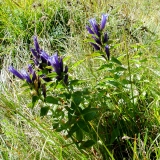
15,72
96,47
107,51
55,63
103,21
34,53
26,76
105,39
44,56
95,26
31,71
89,30
97,40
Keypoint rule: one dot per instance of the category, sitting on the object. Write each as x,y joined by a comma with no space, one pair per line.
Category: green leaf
77,97
24,85
55,125
51,99
87,144
73,129
118,69
115,60
90,40
105,66
79,134
83,125
52,75
34,100
44,111
95,54
77,82
90,113
114,83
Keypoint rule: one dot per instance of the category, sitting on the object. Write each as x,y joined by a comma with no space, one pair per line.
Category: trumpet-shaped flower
103,21
100,39
15,72
57,63
23,74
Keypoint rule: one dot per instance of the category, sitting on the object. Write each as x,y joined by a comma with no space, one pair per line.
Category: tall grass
129,116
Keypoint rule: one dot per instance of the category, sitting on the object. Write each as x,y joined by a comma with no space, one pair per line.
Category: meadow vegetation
111,109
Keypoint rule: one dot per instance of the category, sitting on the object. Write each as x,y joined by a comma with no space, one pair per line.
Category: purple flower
96,47
100,40
26,76
103,21
105,38
89,30
107,51
95,26
32,72
44,57
15,72
57,63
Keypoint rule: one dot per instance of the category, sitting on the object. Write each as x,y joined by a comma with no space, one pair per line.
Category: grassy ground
130,117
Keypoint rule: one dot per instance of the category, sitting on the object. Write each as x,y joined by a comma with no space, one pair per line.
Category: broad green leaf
114,83
77,97
79,134
77,82
118,69
83,125
52,75
95,54
44,111
89,113
115,60
51,99
87,144
55,125
106,66
34,100
73,129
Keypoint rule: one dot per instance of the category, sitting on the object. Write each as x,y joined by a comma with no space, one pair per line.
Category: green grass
129,119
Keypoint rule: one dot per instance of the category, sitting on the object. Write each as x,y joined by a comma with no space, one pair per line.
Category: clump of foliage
102,98
76,110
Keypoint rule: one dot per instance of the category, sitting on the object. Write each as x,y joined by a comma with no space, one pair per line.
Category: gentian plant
100,39
72,107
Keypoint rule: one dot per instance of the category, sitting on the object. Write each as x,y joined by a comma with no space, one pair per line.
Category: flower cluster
42,59
100,39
